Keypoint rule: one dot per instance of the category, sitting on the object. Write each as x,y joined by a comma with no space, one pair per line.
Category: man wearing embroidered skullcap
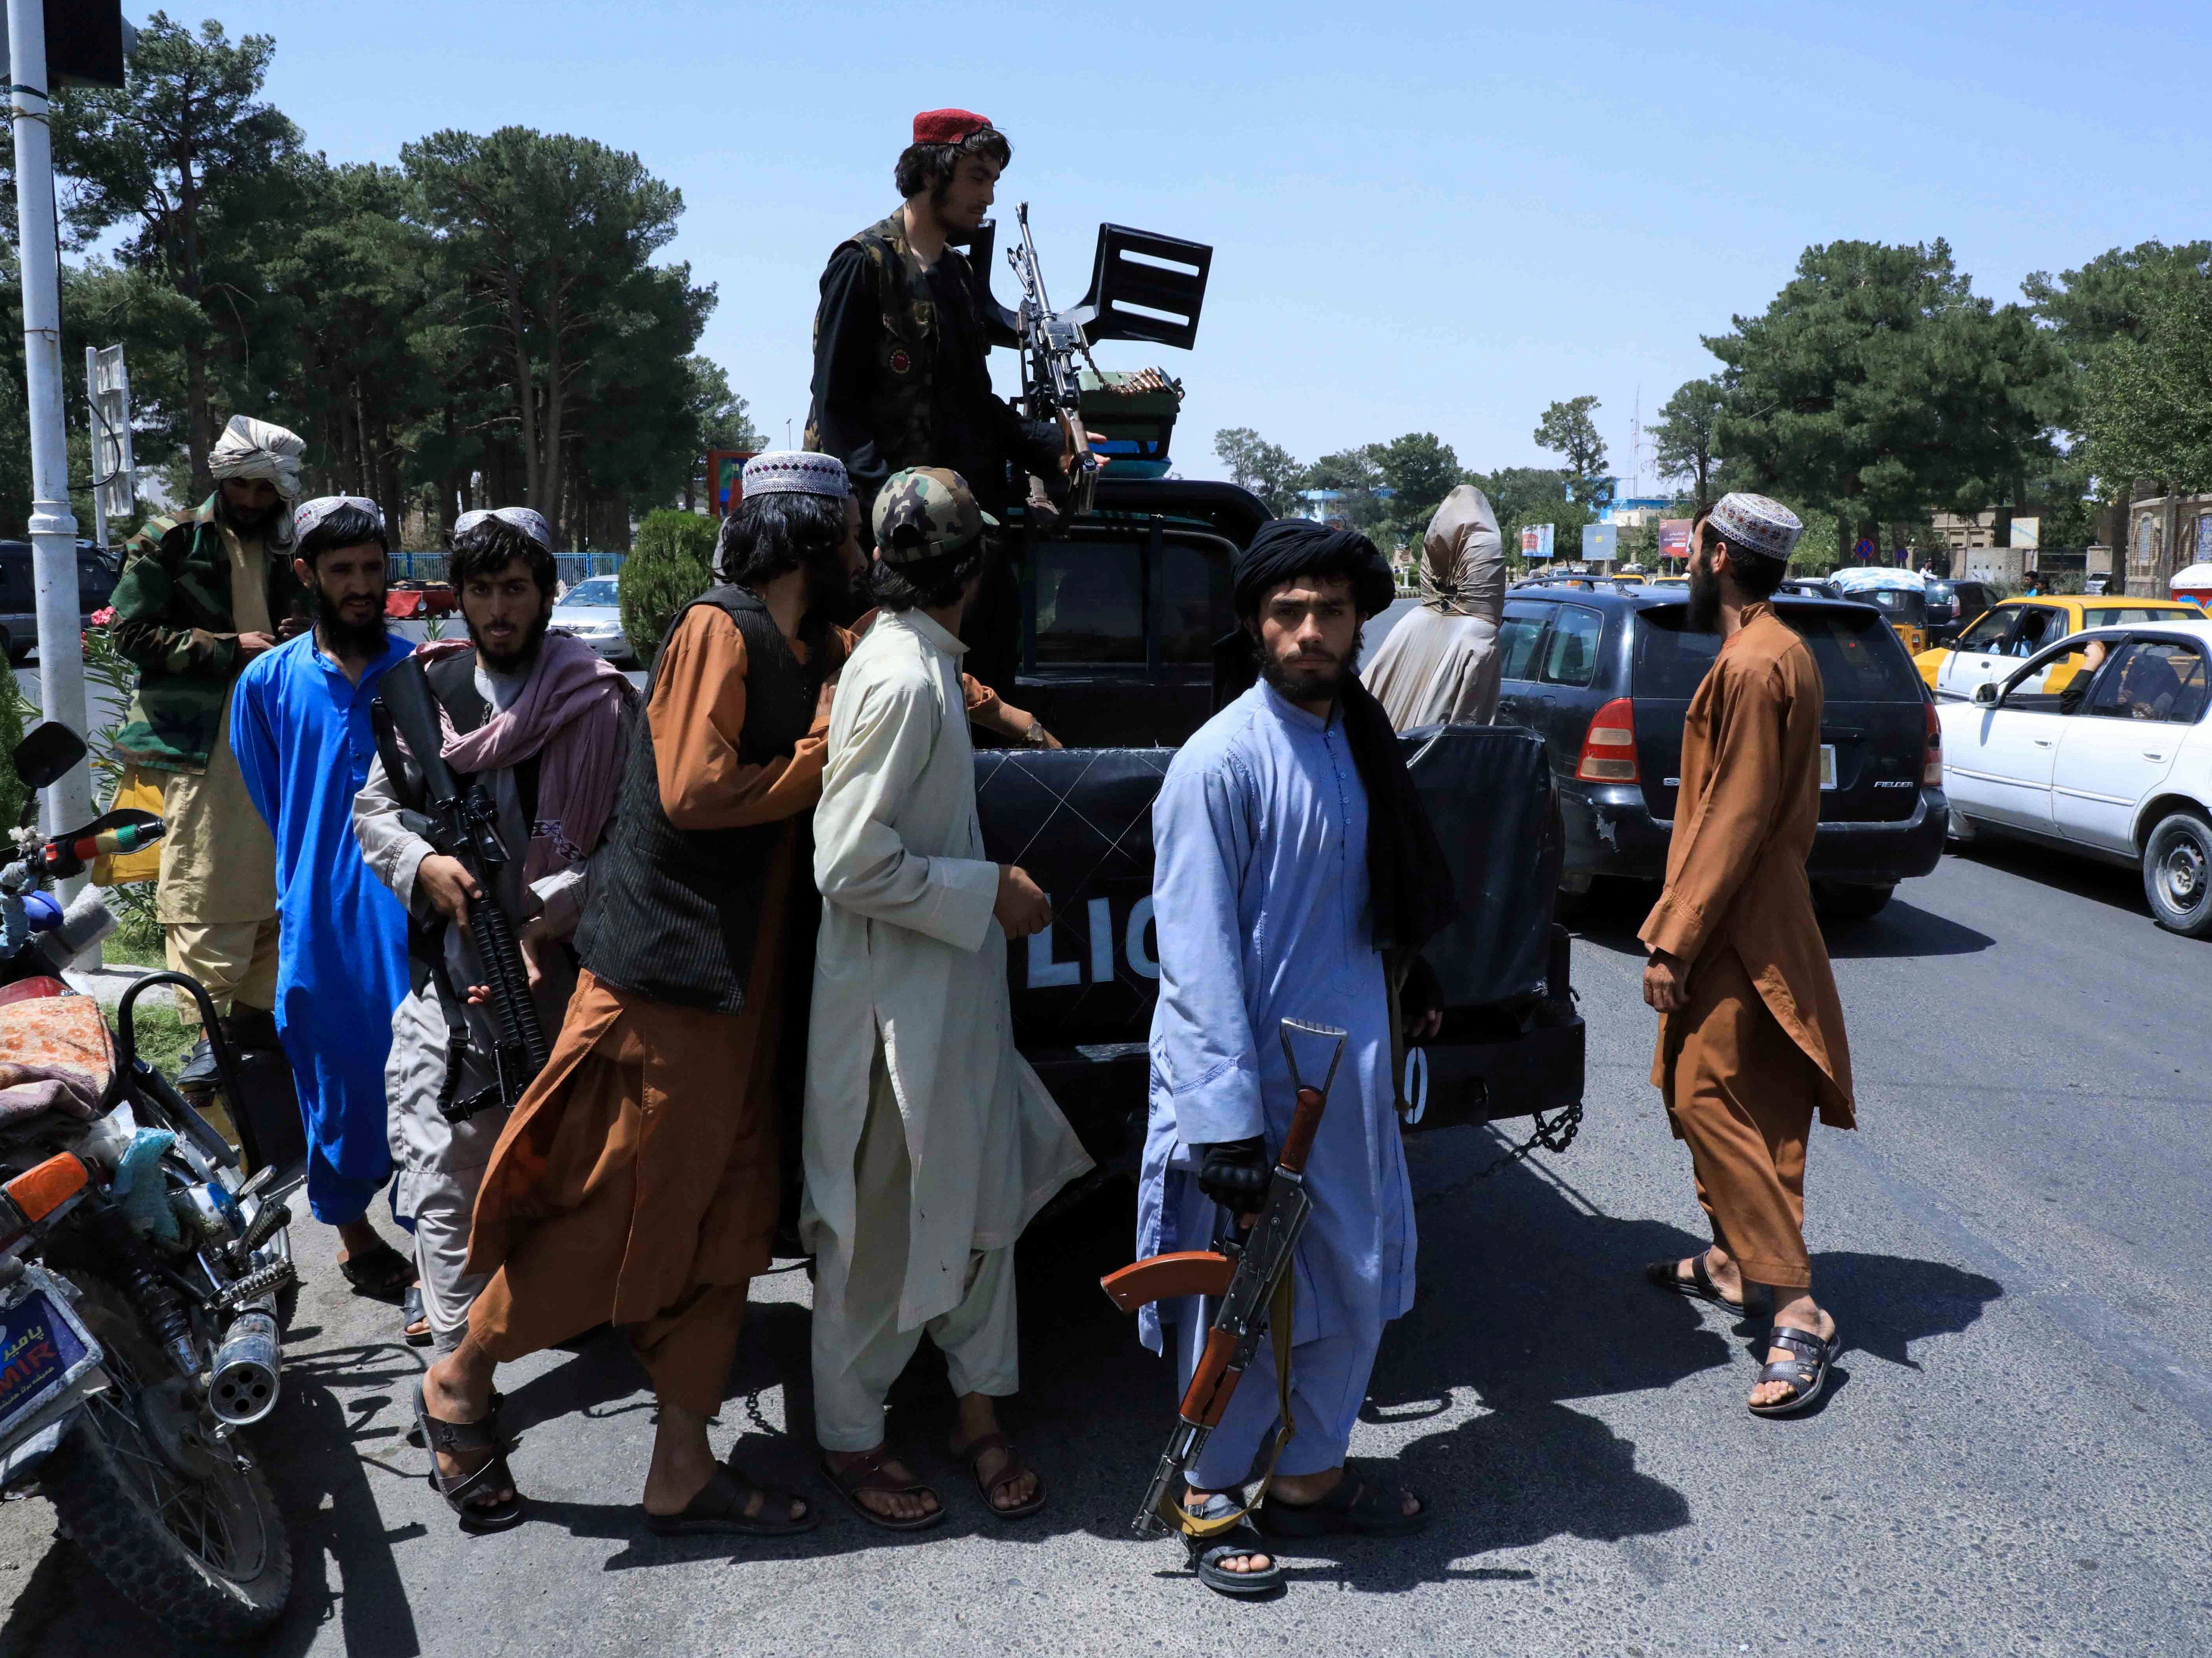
202,594
636,1181
299,727
1751,1032
901,338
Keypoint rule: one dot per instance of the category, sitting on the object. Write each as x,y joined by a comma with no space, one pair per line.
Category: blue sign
1862,551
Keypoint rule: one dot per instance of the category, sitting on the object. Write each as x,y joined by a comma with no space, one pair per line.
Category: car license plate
1828,765
43,1350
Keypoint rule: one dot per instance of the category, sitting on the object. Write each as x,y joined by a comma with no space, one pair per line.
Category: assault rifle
1250,1278
1051,341
462,824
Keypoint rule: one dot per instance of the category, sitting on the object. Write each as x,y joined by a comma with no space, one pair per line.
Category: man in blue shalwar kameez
1272,899
300,726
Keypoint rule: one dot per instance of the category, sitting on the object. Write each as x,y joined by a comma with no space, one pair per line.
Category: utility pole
68,802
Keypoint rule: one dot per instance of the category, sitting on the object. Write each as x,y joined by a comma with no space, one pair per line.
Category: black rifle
462,822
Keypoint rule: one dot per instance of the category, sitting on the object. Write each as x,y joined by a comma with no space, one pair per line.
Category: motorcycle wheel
204,1554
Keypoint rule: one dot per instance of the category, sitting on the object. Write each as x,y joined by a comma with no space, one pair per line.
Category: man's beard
1309,684
521,656
251,523
1705,602
834,598
344,637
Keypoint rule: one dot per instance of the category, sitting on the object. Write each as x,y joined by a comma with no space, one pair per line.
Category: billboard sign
113,472
1600,542
723,490
1674,537
1536,542
2027,533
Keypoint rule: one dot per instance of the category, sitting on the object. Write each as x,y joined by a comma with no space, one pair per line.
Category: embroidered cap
947,126
308,514
925,513
527,519
795,473
1756,524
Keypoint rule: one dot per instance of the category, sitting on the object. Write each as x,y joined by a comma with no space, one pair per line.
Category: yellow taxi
1988,649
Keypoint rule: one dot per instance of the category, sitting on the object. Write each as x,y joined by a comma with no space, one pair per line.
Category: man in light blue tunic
298,724
1273,899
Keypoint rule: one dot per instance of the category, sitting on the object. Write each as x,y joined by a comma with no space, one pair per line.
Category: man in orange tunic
1751,1032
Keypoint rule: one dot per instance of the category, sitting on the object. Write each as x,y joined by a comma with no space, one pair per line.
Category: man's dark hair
345,526
489,547
768,536
930,166
927,584
1756,574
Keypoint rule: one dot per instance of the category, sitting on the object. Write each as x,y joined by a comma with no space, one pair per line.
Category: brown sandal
972,1457
866,1474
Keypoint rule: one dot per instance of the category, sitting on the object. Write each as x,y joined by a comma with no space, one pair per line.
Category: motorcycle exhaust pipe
242,1384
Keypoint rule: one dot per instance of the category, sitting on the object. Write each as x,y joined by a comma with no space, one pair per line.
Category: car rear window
2112,616
1856,654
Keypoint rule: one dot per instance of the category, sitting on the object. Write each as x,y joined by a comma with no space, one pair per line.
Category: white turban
530,522
250,448
309,513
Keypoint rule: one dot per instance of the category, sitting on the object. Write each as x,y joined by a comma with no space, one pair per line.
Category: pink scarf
572,710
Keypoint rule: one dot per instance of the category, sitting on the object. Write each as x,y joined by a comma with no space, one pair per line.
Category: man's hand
1421,1002
824,697
447,884
529,943
251,644
292,626
1022,907
1234,1174
1667,982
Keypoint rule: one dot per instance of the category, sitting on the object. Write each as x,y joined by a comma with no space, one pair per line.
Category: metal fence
574,566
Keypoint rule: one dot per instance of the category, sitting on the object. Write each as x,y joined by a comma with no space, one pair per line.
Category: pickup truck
1126,645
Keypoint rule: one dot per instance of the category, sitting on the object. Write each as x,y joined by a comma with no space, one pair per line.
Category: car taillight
36,1194
1609,745
1931,761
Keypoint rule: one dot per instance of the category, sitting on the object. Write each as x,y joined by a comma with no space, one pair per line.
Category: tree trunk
556,400
526,398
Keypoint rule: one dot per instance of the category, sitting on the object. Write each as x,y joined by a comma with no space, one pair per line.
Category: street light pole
68,803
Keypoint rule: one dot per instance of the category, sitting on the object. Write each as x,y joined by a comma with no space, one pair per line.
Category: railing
574,566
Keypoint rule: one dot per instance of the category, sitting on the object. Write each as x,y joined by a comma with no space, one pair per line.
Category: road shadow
1610,914
2110,884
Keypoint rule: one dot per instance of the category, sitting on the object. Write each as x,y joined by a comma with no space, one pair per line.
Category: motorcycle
145,1278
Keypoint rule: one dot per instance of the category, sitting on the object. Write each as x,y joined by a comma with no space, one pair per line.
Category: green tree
1356,476
1567,430
1420,470
1683,438
1878,382
1268,469
670,566
2148,404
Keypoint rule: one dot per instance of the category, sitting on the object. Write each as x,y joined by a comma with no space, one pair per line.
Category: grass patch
164,1041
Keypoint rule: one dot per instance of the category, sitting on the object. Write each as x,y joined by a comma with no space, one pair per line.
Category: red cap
947,126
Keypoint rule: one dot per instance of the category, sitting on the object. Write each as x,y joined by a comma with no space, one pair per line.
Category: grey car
591,611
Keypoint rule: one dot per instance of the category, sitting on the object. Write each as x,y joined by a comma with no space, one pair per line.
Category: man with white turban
202,594
1440,665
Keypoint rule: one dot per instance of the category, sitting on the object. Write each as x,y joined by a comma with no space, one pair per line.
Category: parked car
19,604
1953,605
1606,678
1808,586
591,611
2015,628
1900,595
2119,767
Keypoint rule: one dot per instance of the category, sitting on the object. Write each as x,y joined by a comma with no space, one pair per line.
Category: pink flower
103,616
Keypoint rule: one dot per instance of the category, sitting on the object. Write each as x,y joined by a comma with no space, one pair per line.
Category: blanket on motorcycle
55,1055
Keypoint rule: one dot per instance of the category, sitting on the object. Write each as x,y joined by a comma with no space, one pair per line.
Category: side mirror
1986,693
52,750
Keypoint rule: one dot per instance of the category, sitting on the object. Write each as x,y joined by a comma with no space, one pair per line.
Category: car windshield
1857,664
601,591
2112,616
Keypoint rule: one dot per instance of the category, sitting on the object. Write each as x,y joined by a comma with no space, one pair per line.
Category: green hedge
14,798
668,566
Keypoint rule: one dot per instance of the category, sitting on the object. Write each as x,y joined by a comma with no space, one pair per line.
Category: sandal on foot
866,1474
1351,1505
382,1273
455,1437
410,1315
1806,1370
720,1507
971,1457
1206,1553
1698,1286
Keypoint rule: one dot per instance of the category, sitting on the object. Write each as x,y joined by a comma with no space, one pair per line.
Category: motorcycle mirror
52,750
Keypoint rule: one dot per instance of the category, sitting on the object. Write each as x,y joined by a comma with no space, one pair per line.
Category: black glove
1234,1173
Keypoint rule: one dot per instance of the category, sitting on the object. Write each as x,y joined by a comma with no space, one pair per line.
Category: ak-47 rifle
1051,341
1250,1278
462,822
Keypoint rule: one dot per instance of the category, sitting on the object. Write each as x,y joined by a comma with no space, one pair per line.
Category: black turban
1288,547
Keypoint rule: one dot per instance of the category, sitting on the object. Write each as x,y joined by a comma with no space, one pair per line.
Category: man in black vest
636,1182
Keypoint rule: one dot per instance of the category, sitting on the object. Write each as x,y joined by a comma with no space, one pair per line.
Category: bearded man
1295,875
539,719
200,596
299,727
1751,1031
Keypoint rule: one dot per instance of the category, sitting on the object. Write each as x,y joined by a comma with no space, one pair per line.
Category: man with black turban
1295,875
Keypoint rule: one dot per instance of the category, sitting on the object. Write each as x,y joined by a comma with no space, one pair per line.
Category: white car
2117,764
591,611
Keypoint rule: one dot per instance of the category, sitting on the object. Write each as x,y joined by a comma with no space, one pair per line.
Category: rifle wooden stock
1166,1278
1304,1127
1207,1398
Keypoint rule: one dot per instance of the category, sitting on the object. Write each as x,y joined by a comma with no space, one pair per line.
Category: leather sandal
1206,1553
456,1437
1699,1285
972,1454
1805,1369
382,1273
1353,1506
866,1474
720,1507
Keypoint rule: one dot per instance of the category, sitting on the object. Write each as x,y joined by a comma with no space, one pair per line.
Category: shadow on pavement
2110,884
1609,916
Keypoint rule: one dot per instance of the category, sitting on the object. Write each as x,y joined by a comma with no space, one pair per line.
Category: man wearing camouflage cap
1751,1031
929,1142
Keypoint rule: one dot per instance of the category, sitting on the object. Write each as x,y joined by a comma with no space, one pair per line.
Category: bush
14,798
669,566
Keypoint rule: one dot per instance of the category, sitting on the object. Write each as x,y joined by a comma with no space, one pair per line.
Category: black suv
1605,677
19,607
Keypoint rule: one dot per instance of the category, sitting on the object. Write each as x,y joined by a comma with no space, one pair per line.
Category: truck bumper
1610,831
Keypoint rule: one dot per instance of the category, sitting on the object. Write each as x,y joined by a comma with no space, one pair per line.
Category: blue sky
1425,217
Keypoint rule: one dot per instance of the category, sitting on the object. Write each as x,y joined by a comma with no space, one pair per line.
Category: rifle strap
1280,1307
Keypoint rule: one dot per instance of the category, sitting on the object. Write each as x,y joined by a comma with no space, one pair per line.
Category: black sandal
1206,1553
1698,1286
382,1274
1351,1505
720,1507
1807,1372
454,1437
866,1474
410,1313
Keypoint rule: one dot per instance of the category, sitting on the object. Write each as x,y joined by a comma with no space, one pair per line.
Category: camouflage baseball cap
925,513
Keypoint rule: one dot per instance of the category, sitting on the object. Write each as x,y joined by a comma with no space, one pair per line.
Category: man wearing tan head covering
1440,665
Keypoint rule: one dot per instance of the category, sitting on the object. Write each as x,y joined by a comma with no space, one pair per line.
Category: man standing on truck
200,596
1751,1031
1295,875
1440,665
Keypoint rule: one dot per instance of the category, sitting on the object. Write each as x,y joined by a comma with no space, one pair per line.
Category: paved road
2014,1458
